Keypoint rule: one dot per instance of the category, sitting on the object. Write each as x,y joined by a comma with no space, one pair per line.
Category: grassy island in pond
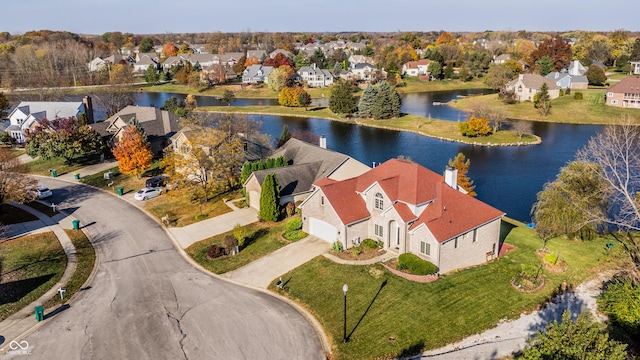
441,129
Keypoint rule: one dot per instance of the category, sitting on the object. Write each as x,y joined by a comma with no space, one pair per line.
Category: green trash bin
39,313
54,173
76,176
76,224
120,191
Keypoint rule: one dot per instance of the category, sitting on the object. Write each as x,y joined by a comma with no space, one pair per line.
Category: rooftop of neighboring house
533,81
154,121
628,85
50,110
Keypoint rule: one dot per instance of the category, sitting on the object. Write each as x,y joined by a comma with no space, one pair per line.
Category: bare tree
496,115
522,127
616,151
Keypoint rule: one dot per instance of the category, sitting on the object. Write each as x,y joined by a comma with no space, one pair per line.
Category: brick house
626,93
410,209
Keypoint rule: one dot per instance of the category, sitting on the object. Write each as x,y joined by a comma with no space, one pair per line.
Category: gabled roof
628,85
50,110
292,179
155,122
453,213
448,212
533,81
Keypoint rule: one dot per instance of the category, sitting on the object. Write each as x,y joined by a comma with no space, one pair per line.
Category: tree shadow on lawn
15,290
384,283
254,237
553,309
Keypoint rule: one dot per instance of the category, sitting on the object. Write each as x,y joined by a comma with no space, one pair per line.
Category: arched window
379,202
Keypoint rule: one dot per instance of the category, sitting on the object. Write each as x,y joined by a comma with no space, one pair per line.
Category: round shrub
294,224
337,246
415,265
577,96
215,251
370,243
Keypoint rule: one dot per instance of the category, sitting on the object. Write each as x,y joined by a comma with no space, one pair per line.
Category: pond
508,178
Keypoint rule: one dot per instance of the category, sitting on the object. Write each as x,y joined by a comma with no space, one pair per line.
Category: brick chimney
88,106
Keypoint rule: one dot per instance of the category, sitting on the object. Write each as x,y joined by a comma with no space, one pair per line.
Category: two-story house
526,86
28,114
410,209
256,74
315,77
625,93
416,68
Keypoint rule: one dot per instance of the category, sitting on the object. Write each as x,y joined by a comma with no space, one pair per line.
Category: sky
187,16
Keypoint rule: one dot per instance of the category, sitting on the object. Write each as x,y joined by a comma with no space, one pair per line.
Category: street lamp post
345,288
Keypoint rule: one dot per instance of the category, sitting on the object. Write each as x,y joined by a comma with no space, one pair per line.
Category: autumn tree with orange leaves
169,49
133,152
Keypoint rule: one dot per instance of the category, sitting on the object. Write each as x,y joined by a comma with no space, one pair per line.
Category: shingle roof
293,179
51,110
448,212
155,122
534,81
628,85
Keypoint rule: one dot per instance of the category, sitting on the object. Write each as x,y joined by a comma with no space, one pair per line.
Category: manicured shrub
337,246
295,235
416,265
577,96
369,243
215,251
240,234
294,224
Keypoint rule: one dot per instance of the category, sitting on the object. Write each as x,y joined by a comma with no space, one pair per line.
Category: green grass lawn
86,258
389,316
443,129
183,211
262,238
29,267
565,109
40,166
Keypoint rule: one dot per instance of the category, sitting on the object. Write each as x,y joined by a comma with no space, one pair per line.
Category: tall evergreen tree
342,100
270,198
366,101
461,164
246,171
387,102
284,135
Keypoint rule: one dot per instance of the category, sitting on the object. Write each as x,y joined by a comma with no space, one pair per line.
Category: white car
147,193
43,192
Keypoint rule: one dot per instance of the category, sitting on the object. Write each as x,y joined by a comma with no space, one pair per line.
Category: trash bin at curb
39,313
76,224
54,173
120,191
76,176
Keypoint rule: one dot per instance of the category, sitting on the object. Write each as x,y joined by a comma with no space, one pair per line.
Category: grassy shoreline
435,128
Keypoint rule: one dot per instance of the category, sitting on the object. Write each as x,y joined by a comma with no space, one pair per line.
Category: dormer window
379,201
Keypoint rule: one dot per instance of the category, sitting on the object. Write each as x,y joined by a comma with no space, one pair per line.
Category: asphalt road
147,302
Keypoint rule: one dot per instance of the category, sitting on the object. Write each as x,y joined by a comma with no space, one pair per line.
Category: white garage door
254,200
322,230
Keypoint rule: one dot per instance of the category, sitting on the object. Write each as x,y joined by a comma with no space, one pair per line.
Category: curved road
147,302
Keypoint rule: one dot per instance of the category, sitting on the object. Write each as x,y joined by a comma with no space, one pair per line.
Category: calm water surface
506,177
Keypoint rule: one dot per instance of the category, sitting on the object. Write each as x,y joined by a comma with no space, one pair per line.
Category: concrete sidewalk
24,320
187,235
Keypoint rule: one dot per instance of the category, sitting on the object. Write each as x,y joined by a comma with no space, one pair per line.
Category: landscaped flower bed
368,249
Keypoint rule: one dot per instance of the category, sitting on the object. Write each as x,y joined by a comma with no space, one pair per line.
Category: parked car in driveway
155,181
43,192
147,193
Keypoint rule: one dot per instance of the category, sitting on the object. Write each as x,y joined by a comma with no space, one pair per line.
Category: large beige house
626,93
525,86
410,209
307,163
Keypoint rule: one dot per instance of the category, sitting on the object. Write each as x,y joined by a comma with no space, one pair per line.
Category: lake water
508,178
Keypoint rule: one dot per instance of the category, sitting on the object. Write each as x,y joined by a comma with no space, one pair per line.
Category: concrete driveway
147,302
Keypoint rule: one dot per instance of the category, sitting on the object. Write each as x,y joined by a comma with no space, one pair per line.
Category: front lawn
29,267
262,238
183,211
40,166
86,258
388,316
13,215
